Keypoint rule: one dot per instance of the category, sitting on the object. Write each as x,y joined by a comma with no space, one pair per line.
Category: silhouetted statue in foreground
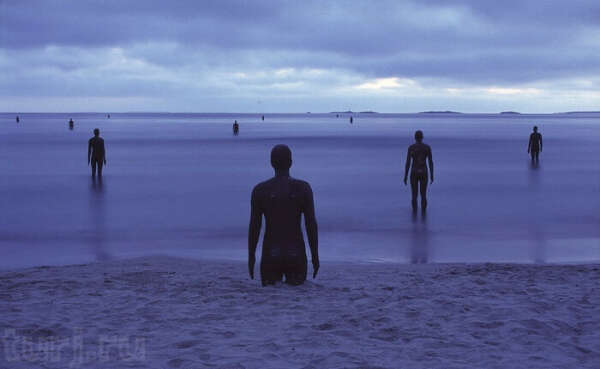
71,124
18,120
283,199
418,154
263,117
535,144
351,120
96,153
236,128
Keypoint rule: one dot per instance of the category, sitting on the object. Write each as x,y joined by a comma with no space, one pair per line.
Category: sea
180,184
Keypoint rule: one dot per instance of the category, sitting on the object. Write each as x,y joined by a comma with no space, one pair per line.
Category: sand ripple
161,312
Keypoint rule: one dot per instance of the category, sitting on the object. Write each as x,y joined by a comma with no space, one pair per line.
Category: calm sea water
180,184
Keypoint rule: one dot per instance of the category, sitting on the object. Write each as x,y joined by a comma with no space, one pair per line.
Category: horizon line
306,112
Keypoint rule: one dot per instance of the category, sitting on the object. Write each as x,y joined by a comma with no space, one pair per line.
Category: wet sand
164,312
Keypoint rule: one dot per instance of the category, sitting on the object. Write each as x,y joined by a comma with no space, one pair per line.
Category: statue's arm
89,150
407,165
310,222
430,159
253,231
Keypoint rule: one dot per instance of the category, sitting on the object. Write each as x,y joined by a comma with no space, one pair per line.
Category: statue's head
419,136
281,157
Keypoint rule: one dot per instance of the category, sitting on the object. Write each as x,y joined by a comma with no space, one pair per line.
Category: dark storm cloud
238,49
465,40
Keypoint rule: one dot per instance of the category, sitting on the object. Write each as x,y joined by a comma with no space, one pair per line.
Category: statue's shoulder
263,186
300,184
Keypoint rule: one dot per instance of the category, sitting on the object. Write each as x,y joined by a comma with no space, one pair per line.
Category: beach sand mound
163,312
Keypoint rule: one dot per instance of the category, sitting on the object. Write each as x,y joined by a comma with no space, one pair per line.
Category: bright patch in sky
271,56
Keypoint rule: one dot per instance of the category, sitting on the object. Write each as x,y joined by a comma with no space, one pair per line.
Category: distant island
439,112
510,112
580,112
354,112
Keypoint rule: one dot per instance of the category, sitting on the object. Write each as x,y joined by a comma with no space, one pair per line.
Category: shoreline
167,312
329,262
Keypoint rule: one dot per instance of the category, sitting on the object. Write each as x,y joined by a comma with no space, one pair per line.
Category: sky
295,56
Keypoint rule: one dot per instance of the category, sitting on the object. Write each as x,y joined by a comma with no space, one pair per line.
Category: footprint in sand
186,344
228,334
176,363
324,327
387,334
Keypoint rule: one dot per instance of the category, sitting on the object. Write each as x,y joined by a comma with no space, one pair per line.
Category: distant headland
439,112
581,112
510,112
354,112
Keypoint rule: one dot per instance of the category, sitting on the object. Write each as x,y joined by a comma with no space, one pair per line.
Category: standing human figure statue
282,200
236,128
96,153
18,120
418,155
535,145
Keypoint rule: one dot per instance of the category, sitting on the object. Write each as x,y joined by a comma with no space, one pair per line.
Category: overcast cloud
296,56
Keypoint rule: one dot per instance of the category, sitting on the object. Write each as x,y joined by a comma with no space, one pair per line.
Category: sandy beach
164,312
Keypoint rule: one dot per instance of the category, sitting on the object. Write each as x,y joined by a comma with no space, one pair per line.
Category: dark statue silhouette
282,199
418,155
535,145
236,128
96,153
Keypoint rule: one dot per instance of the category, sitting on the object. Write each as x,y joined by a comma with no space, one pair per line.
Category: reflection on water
181,185
97,209
539,244
419,240
535,202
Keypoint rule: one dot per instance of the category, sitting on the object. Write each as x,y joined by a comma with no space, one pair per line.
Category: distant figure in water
18,120
236,128
108,116
535,145
337,115
283,199
351,120
97,153
263,117
418,154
